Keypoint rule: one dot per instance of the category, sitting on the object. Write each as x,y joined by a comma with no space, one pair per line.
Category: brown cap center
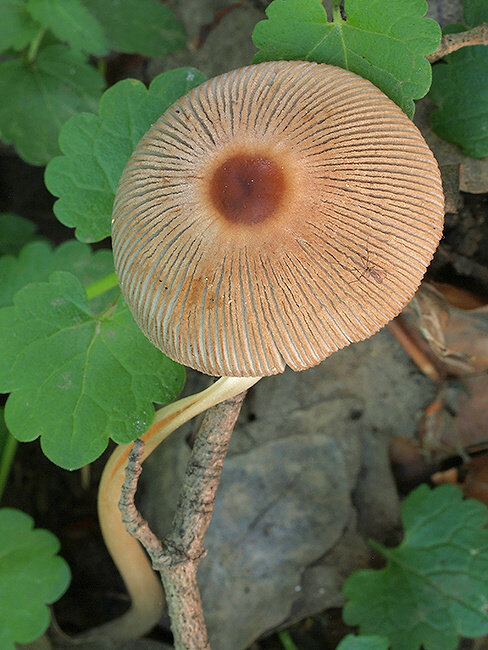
247,189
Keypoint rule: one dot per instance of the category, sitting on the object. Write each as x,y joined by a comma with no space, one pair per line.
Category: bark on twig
452,42
133,521
178,556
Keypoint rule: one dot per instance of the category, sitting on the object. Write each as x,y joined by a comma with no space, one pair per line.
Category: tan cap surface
272,216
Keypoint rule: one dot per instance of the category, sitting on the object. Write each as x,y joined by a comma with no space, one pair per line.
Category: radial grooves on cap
359,220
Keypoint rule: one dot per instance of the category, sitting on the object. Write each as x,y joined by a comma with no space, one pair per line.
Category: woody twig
452,42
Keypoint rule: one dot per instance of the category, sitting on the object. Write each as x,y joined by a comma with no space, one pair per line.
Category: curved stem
142,583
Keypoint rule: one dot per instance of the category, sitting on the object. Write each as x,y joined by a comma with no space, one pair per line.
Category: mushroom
270,217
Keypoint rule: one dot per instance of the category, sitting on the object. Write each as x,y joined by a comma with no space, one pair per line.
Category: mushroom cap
272,216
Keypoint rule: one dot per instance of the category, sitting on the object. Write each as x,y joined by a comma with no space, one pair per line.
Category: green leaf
76,379
138,26
32,576
97,148
17,29
37,99
70,21
15,232
4,435
385,41
460,91
435,585
475,12
352,642
37,261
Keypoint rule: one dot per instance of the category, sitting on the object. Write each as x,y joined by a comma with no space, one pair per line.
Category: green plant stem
6,460
379,548
34,46
286,640
336,11
101,286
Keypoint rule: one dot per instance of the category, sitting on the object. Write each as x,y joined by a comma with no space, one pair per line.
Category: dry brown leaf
457,337
457,420
471,421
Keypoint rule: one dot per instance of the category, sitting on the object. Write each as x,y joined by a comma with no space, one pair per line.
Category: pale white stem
141,581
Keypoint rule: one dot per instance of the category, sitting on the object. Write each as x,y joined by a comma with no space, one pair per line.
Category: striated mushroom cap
272,216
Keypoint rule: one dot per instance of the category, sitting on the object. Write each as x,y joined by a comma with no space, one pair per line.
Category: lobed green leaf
32,576
77,379
138,26
8,448
460,91
17,28
71,22
385,41
434,586
15,232
97,148
4,434
37,99
37,261
475,12
352,642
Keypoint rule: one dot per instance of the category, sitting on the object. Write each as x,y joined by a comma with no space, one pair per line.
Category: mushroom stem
142,583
